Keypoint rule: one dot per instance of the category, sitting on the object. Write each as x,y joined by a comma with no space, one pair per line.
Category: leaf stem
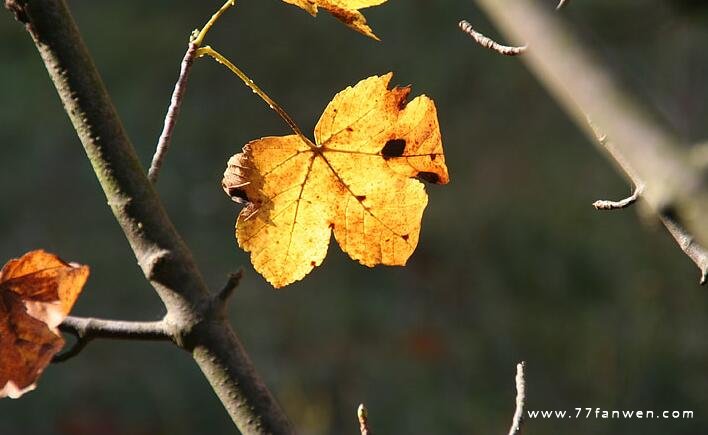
199,39
208,51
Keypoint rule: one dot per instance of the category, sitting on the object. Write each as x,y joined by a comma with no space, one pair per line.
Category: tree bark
195,319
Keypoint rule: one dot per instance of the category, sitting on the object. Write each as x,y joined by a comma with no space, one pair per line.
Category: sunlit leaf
359,179
347,11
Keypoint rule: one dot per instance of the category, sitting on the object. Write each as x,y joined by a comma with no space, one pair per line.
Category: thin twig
688,245
86,329
489,43
163,143
694,250
605,204
562,3
520,399
231,284
363,416
196,40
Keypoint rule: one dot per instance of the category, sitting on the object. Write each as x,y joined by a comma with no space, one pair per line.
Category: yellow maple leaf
358,180
37,291
347,11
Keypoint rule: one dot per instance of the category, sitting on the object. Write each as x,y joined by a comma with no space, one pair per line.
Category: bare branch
163,143
520,399
489,43
165,259
87,329
697,253
604,204
688,245
363,416
644,151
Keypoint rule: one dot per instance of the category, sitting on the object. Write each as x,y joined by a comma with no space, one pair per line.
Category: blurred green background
513,262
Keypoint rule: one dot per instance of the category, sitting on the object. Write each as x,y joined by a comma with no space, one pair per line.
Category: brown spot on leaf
430,177
313,263
393,148
405,237
360,198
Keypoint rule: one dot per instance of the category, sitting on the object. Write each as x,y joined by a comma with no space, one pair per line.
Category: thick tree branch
86,329
164,258
639,146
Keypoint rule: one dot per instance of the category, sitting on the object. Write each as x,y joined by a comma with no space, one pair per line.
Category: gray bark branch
192,319
674,185
86,329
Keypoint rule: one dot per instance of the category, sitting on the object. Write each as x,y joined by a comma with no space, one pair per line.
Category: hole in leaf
393,148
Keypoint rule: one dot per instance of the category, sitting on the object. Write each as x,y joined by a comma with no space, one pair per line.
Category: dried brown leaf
37,292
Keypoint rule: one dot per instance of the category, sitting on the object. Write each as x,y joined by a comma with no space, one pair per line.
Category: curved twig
489,43
520,399
604,204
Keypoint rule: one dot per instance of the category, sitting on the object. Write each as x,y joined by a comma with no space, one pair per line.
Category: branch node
363,416
489,43
520,399
228,290
616,205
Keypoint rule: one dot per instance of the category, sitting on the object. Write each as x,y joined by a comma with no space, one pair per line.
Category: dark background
513,262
